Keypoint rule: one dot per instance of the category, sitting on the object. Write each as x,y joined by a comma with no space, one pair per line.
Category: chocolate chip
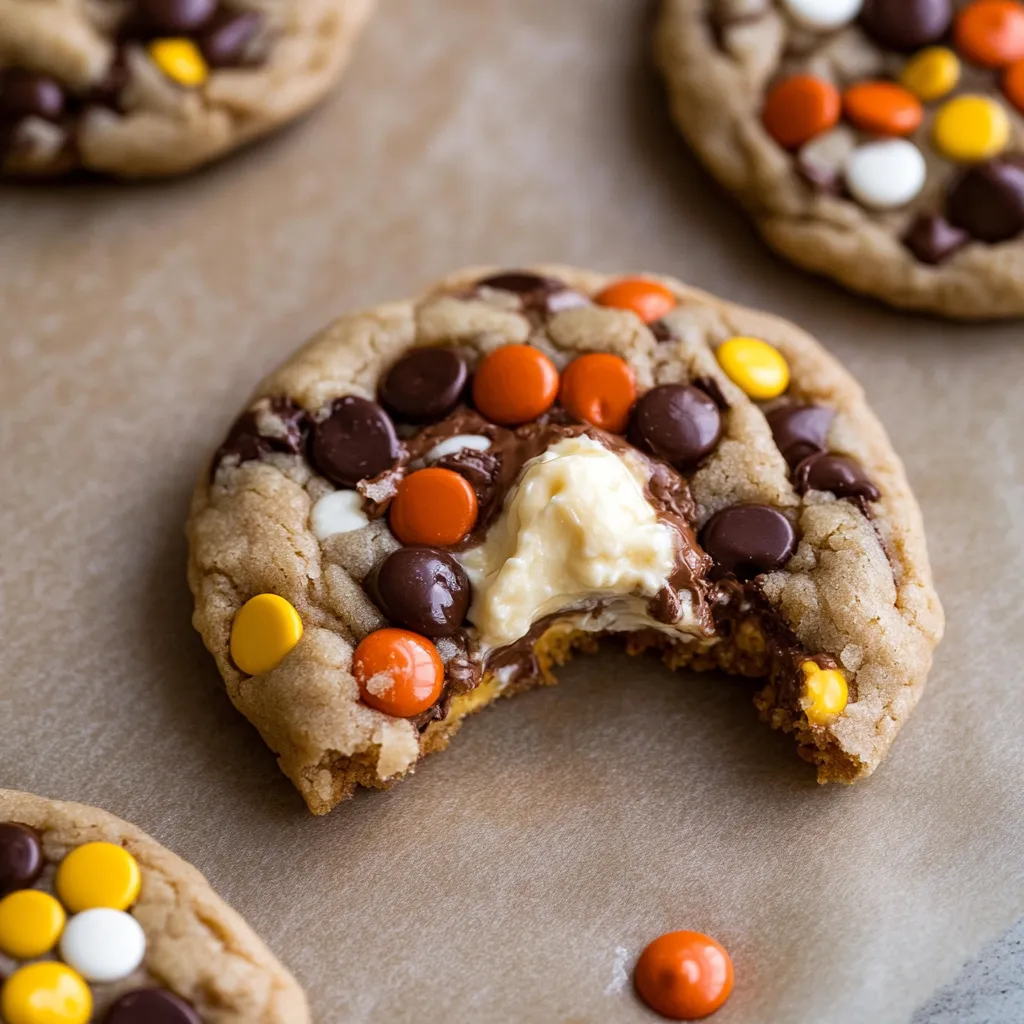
678,423
932,239
27,94
481,469
245,440
661,331
357,440
539,294
844,477
225,40
800,430
906,24
747,540
21,857
710,388
987,201
151,1006
107,91
173,17
425,384
423,589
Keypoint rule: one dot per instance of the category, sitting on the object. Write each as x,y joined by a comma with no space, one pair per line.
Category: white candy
885,175
451,445
103,944
823,15
338,512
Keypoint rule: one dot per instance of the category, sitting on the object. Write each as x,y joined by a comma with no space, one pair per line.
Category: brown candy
987,201
21,857
932,239
906,25
844,477
425,384
28,94
175,17
225,41
357,440
800,430
677,422
423,589
151,1006
245,441
747,540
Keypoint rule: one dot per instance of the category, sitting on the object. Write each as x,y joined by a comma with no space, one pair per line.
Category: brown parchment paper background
516,877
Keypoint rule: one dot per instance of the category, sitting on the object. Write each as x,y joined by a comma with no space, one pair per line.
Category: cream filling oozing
576,530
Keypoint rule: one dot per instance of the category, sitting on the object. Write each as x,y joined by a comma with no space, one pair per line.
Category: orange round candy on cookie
684,975
799,108
991,32
515,384
1013,84
648,299
433,506
883,108
398,672
599,388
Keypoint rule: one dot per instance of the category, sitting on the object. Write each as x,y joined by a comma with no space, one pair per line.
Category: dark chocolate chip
710,388
747,540
932,239
661,331
28,94
245,441
423,589
678,423
224,42
151,1006
173,17
987,201
844,477
107,91
519,281
425,384
906,24
357,440
21,857
800,430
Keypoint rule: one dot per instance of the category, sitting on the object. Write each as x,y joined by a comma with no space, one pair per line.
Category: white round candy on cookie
885,175
823,15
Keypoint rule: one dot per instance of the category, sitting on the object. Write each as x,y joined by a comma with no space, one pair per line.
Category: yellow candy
971,128
45,993
265,629
180,60
754,366
30,924
98,875
932,73
826,691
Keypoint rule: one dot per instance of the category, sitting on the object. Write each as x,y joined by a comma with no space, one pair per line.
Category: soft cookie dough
878,142
124,929
436,501
140,88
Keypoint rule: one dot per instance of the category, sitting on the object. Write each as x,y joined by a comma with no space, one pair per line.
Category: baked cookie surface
877,142
436,501
99,922
141,88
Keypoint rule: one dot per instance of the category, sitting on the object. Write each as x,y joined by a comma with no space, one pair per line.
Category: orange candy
991,32
684,975
1013,84
883,108
433,506
398,672
798,109
648,299
599,388
515,384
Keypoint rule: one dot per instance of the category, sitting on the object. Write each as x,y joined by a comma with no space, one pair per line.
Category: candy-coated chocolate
800,108
747,540
103,945
991,32
423,589
754,366
823,15
425,384
800,430
599,388
515,384
838,474
684,975
180,60
98,875
679,423
433,506
173,17
30,924
225,40
398,672
906,24
1013,84
265,630
30,94
355,441
45,993
21,856
151,1006
887,174
825,693
882,108
971,128
648,299
987,201
932,73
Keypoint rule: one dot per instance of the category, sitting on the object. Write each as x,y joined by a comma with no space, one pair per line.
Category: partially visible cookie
98,922
141,88
877,142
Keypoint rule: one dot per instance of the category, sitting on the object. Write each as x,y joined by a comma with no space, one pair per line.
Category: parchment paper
517,876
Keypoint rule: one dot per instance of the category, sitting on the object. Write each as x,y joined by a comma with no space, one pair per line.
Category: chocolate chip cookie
98,922
140,88
878,142
437,501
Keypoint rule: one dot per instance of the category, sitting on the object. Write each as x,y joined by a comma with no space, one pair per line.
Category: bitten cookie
98,922
436,501
878,142
141,88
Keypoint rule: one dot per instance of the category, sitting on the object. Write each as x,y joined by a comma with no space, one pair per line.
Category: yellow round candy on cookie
30,924
45,993
932,73
825,691
98,875
265,629
754,366
180,60
971,128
